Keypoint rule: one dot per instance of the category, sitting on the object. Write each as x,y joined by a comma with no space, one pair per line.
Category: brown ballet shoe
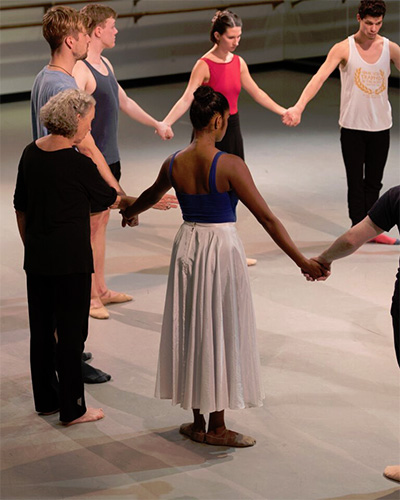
251,262
118,298
392,472
230,438
99,312
187,430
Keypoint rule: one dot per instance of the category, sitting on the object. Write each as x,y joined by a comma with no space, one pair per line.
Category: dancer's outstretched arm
241,181
338,54
199,74
256,93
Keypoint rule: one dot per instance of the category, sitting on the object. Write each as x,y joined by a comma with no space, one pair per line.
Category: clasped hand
316,270
166,202
292,117
131,221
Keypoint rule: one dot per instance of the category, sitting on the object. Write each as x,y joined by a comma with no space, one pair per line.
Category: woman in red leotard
226,73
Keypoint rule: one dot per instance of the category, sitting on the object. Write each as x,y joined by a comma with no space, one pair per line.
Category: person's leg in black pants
394,311
354,155
364,155
72,302
42,323
375,160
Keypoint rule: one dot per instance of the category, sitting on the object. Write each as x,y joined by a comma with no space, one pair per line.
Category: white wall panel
170,44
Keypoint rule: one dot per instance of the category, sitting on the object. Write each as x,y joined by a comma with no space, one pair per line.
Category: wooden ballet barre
46,5
295,2
138,15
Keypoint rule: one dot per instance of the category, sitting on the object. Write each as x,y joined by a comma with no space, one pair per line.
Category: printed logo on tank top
372,83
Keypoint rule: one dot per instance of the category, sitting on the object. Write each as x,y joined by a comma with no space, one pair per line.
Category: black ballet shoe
93,375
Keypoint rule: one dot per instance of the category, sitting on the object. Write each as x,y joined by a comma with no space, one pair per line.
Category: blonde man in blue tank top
365,112
95,75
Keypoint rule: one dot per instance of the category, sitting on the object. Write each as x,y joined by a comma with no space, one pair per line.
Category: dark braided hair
223,20
206,103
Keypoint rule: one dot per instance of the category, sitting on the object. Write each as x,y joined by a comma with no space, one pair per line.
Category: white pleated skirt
208,358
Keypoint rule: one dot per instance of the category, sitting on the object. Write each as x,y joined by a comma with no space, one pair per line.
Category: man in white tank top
365,112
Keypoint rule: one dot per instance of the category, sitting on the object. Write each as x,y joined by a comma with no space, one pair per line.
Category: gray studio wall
170,44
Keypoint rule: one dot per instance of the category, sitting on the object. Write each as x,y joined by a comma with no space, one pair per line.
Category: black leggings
364,155
232,141
58,303
394,311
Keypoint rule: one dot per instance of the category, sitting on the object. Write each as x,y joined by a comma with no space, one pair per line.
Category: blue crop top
212,207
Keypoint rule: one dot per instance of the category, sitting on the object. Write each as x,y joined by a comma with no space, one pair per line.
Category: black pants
394,311
232,141
58,304
364,155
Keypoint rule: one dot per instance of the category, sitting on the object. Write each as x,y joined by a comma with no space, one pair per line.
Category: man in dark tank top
95,75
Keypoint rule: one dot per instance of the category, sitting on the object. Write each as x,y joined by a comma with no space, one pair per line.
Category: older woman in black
55,187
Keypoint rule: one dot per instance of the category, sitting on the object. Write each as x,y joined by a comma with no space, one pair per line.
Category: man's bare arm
337,55
350,241
89,148
395,54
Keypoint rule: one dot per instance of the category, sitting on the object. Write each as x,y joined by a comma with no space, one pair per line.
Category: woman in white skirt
208,357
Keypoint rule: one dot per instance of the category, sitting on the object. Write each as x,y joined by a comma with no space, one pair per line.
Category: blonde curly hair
60,114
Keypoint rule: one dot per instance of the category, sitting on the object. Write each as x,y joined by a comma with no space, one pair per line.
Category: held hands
324,266
167,201
129,221
164,131
292,117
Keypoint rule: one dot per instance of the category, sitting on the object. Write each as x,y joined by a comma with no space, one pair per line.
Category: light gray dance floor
330,422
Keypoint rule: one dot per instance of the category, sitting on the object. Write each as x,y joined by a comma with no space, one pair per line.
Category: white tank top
364,102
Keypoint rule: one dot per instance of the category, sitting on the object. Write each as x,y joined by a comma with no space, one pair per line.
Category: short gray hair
60,114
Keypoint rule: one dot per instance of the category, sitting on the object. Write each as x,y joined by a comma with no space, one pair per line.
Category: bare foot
91,415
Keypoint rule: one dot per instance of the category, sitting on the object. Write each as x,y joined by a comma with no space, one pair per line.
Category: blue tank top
212,207
105,123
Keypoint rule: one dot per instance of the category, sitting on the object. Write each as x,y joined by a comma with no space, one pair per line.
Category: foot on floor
229,438
46,413
93,375
99,312
384,239
392,472
251,262
111,297
187,430
86,356
91,415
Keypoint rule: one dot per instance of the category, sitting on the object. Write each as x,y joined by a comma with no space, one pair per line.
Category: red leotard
225,78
